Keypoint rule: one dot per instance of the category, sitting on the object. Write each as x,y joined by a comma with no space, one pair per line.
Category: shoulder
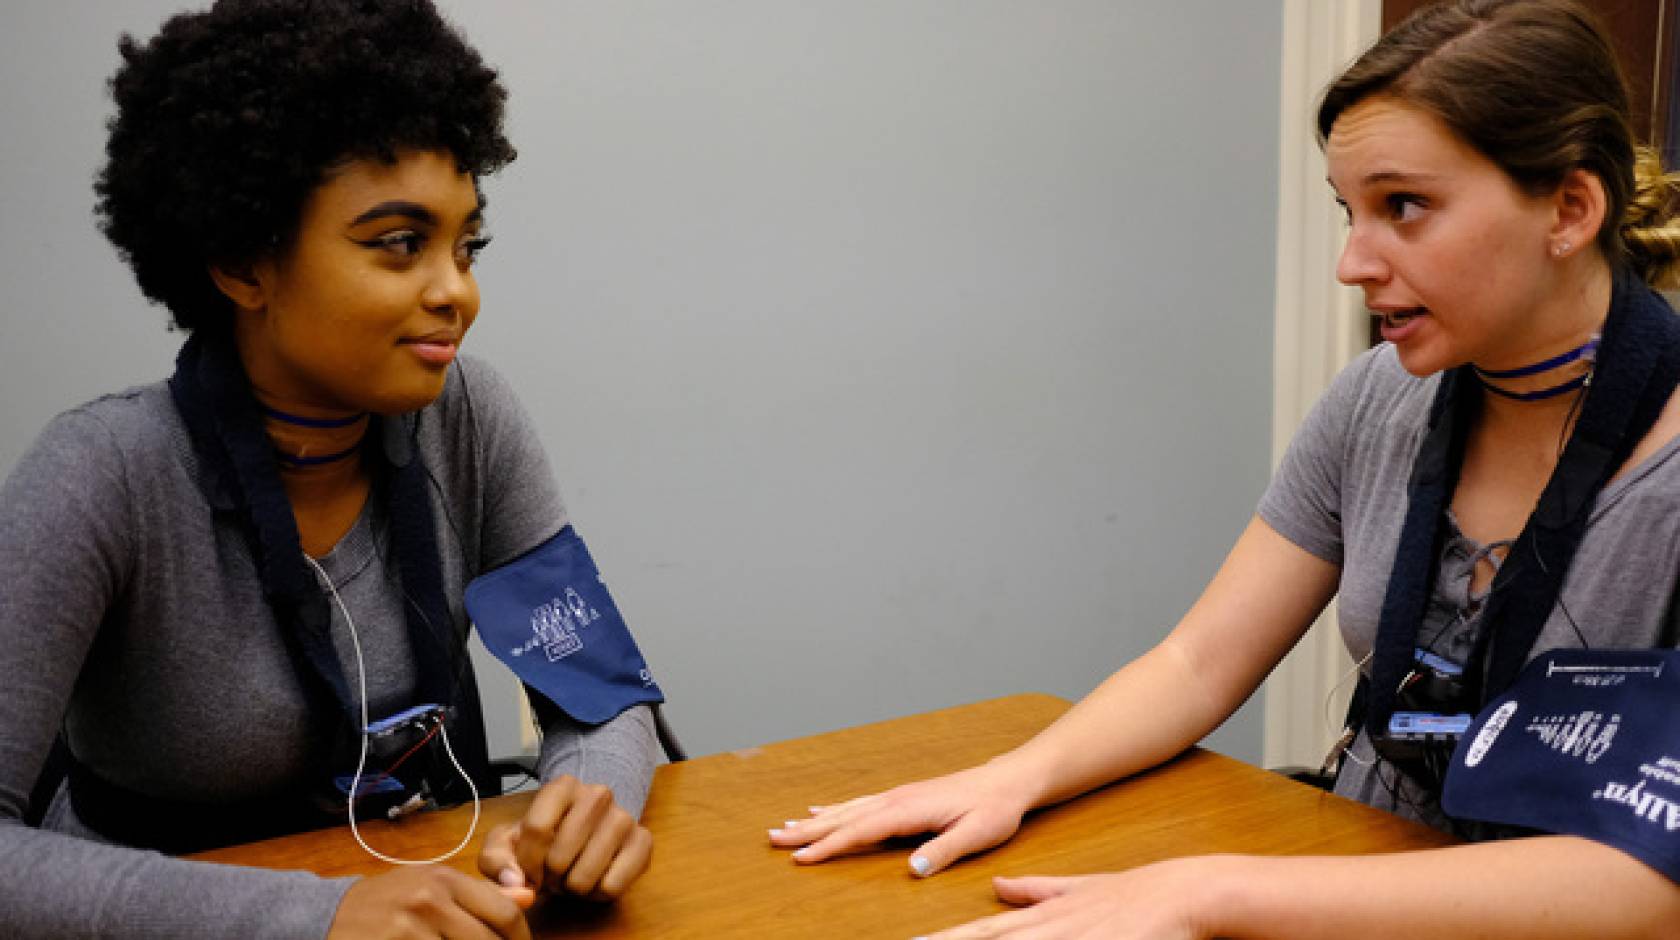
137,425
1376,377
474,393
472,375
1374,395
478,418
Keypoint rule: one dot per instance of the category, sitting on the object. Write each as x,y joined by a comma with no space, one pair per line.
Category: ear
242,284
1580,204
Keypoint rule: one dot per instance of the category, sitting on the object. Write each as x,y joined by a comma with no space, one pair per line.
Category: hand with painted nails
573,840
1165,901
971,810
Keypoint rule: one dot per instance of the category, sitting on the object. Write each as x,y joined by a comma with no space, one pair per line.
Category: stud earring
1561,249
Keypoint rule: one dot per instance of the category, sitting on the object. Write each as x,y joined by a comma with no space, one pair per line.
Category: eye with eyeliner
469,247
404,243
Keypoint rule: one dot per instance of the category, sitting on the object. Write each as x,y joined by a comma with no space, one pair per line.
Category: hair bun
1649,230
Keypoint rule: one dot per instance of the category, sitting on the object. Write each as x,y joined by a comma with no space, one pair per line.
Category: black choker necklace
1587,351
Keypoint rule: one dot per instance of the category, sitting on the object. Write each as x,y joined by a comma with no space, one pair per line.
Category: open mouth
1395,319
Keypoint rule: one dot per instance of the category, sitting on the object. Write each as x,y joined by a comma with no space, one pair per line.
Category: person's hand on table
427,902
1164,901
573,840
972,810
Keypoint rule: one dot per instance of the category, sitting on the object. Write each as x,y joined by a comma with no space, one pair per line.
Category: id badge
1583,743
549,618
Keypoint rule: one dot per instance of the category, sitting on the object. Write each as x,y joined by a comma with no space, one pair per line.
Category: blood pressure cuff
1584,743
548,616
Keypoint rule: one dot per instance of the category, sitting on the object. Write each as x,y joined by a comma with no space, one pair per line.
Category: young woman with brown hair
1505,227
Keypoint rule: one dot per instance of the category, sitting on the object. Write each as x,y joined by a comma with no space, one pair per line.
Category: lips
436,349
438,337
1399,323
1396,318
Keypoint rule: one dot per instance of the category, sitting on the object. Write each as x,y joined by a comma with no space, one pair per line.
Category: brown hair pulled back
1534,86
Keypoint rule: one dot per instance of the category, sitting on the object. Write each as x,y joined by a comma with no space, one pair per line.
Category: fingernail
920,865
801,853
775,833
814,810
511,878
791,823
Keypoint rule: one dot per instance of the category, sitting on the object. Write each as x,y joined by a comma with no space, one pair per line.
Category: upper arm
1286,565
1260,602
64,548
521,502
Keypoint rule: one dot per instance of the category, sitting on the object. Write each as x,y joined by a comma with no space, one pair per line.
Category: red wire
399,761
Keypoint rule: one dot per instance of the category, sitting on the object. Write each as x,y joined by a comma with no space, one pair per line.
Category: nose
1360,263
450,288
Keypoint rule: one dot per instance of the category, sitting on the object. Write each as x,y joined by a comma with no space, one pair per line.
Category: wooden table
715,875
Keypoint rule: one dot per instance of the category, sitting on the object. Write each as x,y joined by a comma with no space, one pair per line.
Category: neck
311,443
1564,374
321,469
1557,346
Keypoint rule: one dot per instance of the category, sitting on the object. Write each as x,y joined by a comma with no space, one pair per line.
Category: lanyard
1637,369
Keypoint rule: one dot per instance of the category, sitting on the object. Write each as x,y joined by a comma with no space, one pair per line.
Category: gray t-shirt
132,613
1340,493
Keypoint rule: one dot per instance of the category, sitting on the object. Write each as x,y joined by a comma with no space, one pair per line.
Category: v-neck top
1341,491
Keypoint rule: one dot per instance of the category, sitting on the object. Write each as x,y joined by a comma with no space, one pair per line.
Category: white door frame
1318,329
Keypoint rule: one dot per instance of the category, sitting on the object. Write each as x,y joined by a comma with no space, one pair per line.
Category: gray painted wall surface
892,354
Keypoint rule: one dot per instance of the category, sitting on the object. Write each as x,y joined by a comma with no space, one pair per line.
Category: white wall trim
1318,329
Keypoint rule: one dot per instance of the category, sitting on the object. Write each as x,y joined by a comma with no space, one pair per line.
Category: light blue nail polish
775,832
920,865
802,852
791,823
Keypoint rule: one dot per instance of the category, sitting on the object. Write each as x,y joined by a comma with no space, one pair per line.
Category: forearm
1256,607
1544,887
620,754
54,885
1142,715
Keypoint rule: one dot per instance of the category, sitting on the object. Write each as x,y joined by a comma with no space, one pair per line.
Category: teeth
1400,317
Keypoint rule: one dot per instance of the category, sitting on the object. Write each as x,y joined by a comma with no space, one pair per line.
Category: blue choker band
1587,351
303,422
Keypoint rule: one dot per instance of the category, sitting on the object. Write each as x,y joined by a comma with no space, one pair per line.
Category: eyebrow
409,210
1391,176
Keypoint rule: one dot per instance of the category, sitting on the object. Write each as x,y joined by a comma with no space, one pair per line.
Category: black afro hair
227,120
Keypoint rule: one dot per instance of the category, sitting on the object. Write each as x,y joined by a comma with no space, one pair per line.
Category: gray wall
893,354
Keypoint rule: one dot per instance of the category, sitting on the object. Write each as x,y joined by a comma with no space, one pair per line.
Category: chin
412,396
1424,363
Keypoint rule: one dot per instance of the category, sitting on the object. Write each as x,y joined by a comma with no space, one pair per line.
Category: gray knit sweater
131,614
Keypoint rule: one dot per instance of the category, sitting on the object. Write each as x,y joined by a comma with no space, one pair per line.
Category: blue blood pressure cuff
548,616
1584,743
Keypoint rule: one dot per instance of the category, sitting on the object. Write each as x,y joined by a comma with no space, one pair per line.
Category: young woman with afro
210,584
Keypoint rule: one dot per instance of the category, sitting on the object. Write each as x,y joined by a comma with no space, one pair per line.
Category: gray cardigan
132,614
